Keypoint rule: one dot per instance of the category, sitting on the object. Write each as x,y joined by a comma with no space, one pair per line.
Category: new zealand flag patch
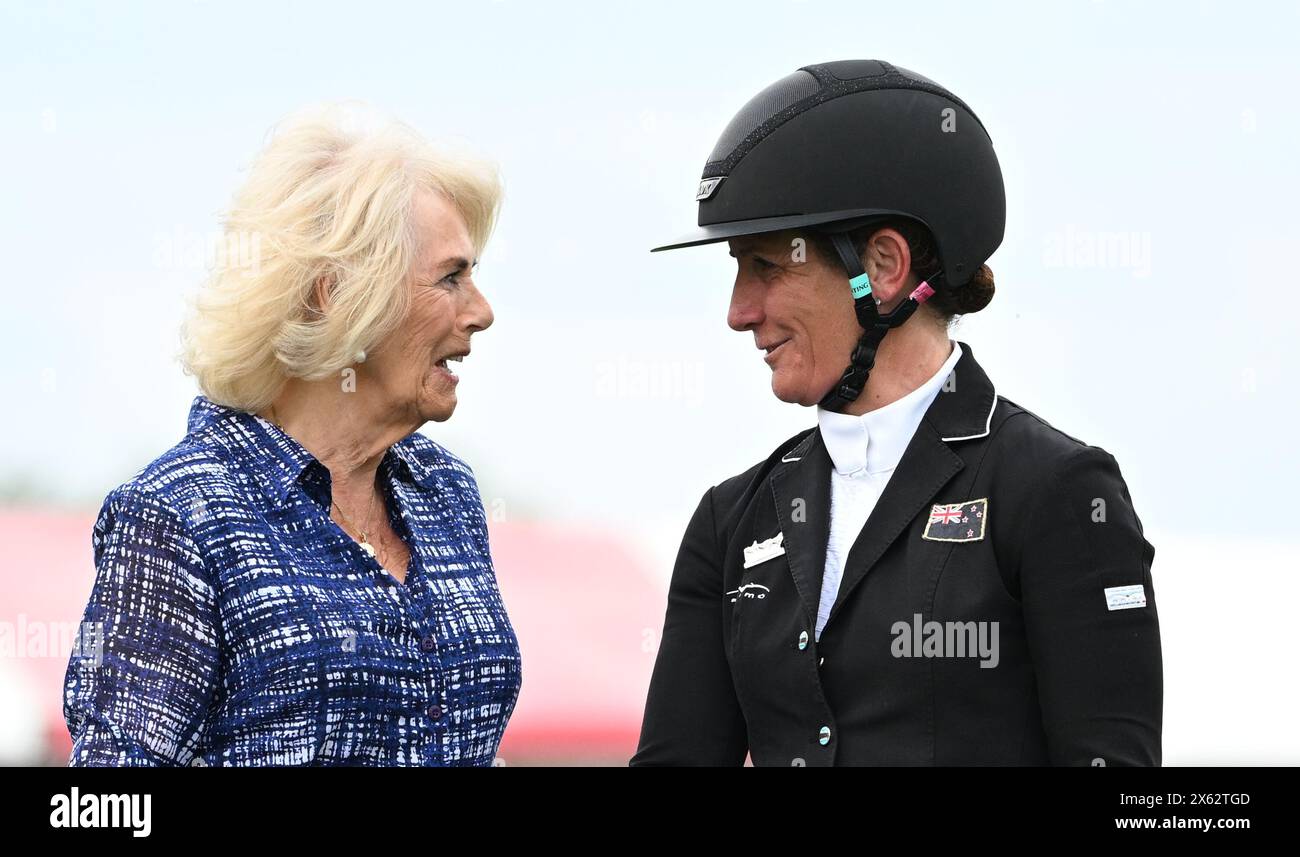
957,522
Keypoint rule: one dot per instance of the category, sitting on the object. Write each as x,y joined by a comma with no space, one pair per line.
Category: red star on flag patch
957,522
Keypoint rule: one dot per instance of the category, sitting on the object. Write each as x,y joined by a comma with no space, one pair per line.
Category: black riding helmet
844,144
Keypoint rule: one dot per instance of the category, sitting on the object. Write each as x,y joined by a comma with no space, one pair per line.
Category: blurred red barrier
587,614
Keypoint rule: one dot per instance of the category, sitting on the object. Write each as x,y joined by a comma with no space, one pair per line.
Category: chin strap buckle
874,325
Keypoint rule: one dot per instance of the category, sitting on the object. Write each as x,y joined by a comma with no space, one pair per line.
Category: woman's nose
746,310
480,311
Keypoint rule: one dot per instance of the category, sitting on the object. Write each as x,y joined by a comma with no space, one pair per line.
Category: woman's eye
453,280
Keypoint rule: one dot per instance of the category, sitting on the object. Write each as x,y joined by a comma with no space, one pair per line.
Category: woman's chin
787,389
798,390
437,402
438,396
438,408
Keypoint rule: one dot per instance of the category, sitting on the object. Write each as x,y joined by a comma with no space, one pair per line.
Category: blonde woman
303,579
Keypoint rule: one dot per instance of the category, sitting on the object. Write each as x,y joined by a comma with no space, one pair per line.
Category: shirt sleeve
145,666
692,716
1090,616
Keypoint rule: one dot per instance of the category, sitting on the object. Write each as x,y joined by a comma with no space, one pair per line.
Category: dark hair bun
974,295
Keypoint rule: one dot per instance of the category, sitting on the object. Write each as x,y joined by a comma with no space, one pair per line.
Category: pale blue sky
126,128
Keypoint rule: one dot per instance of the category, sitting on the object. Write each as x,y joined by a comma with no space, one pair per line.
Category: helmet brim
715,232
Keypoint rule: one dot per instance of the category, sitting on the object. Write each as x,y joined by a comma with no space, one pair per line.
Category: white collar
875,441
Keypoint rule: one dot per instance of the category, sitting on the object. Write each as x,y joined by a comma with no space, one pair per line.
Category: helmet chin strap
874,325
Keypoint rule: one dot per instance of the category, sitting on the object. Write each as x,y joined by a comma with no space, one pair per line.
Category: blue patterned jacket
232,622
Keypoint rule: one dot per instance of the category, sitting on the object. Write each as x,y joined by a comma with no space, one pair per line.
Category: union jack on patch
957,522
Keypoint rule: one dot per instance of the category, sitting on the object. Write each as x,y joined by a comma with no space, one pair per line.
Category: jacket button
428,644
434,711
824,737
803,640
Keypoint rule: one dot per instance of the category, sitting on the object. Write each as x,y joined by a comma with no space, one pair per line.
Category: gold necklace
364,541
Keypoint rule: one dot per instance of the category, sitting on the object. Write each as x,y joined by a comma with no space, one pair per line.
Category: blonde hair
328,199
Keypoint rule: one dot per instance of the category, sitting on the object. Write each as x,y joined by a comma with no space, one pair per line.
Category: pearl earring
877,301
361,356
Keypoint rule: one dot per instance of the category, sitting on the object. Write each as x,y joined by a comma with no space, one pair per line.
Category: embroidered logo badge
1126,597
763,551
957,522
749,590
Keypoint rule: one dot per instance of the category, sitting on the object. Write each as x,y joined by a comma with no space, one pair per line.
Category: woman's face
414,366
800,311
800,308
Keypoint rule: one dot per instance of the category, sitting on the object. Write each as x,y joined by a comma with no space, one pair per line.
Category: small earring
361,356
877,301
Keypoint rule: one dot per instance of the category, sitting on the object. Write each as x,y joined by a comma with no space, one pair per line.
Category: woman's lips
441,368
771,355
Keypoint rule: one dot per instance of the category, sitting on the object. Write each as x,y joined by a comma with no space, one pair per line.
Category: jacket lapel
801,489
925,467
961,411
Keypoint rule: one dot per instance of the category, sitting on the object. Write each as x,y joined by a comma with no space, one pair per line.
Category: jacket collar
874,442
278,462
961,411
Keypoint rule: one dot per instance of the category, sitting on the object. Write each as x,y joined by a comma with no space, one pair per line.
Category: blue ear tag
861,286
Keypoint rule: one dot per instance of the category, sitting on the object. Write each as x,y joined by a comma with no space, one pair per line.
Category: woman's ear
888,262
322,293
